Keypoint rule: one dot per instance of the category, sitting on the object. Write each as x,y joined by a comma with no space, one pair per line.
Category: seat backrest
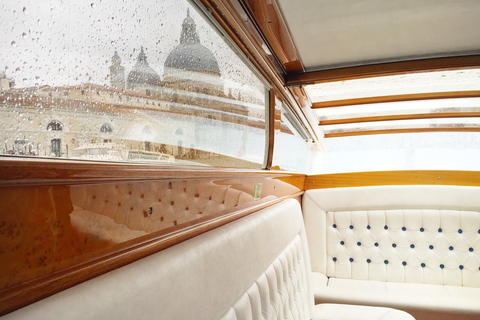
258,265
415,234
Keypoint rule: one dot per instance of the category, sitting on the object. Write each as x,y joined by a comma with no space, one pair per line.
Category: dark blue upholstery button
470,249
351,227
386,227
450,248
412,246
359,243
342,243
334,225
403,228
431,247
442,266
386,261
368,261
394,245
404,263
439,229
478,231
334,259
376,244
460,231
461,267
421,229
423,265
351,259
368,227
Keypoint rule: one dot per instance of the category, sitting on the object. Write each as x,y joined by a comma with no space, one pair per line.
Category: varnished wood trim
397,98
384,69
269,20
417,116
15,298
43,171
386,178
404,130
271,129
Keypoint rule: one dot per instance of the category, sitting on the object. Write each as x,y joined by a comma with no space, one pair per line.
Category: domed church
189,66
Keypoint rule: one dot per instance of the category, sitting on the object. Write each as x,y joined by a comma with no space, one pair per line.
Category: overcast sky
68,42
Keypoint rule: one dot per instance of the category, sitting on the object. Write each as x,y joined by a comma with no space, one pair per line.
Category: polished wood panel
413,116
62,222
385,178
397,98
384,69
404,130
269,19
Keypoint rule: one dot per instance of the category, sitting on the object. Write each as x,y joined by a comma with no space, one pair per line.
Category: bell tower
117,72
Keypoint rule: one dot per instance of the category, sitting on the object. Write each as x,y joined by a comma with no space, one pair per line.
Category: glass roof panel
414,83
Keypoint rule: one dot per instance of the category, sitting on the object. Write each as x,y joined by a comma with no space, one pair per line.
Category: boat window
291,143
426,120
158,77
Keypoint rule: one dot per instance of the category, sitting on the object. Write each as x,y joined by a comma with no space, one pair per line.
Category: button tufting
334,225
442,266
431,247
359,243
450,248
423,265
439,229
460,231
421,229
376,244
368,227
394,245
412,246
386,227
461,267
368,261
403,228
351,227
404,263
386,261
342,243
351,259
470,249
334,259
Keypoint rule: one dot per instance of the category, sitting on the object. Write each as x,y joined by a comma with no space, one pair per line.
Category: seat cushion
348,311
423,301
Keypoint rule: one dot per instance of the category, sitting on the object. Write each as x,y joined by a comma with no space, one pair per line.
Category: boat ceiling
335,33
376,66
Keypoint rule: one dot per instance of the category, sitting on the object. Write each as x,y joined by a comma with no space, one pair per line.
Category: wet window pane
149,82
291,147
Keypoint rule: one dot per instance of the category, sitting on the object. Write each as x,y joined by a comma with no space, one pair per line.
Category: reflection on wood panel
48,229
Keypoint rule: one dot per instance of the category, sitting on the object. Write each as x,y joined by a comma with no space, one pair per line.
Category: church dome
190,54
142,73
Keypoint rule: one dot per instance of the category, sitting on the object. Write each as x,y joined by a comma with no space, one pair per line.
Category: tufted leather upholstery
368,239
280,292
417,246
148,206
253,268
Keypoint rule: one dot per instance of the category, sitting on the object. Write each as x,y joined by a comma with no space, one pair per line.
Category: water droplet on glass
14,44
24,10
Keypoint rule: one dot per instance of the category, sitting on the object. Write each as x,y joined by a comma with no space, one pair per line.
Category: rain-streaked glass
148,81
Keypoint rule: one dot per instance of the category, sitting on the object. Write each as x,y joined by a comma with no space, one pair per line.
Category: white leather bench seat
416,248
257,267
